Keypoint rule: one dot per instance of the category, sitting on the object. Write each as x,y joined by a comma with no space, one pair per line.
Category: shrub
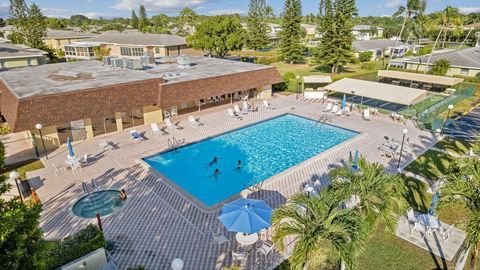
425,50
4,130
440,67
365,56
267,60
75,246
369,65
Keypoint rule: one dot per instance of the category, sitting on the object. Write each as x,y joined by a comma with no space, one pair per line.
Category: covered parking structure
379,95
417,80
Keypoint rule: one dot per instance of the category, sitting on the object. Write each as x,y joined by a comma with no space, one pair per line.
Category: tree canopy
29,23
291,48
440,67
218,35
134,20
257,28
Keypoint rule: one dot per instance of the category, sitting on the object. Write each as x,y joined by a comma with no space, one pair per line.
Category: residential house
464,62
381,48
367,32
57,39
129,44
14,56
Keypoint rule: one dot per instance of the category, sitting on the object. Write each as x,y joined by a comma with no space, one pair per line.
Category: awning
317,79
417,77
380,91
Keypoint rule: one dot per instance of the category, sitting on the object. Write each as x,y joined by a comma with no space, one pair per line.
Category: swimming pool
264,149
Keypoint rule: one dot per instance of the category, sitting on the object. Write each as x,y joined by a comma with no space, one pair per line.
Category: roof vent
117,63
107,60
183,61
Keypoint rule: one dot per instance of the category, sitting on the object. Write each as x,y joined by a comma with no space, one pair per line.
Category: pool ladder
324,118
173,143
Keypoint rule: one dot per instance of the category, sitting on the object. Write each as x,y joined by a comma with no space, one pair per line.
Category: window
69,50
157,50
137,51
29,62
464,71
126,51
3,64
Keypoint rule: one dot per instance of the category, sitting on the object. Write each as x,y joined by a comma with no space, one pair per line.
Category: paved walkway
159,224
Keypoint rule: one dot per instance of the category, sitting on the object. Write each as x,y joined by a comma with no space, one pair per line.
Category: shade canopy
317,79
380,91
417,77
246,215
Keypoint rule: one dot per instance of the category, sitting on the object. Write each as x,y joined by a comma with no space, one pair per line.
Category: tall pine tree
142,18
134,20
29,23
257,28
292,51
335,25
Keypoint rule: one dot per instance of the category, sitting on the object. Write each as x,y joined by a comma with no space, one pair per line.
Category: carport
417,80
380,95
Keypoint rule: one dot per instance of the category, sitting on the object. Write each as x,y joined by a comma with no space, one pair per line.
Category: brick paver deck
159,224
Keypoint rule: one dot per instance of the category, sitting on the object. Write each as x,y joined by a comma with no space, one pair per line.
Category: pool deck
158,223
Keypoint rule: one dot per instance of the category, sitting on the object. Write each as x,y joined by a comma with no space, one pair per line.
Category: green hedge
75,246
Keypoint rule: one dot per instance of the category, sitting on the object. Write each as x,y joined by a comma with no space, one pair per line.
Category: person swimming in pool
239,165
123,194
213,162
216,173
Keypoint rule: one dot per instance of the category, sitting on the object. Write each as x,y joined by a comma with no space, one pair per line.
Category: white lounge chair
194,121
155,128
245,106
84,160
173,112
366,114
339,112
237,110
267,105
169,124
58,168
232,114
265,248
335,109
445,232
329,107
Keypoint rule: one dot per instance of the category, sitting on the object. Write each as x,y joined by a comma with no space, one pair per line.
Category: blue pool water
102,202
265,149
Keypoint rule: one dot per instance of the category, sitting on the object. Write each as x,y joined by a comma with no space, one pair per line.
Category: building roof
8,50
60,34
365,27
317,79
73,76
138,39
374,44
381,91
425,78
467,58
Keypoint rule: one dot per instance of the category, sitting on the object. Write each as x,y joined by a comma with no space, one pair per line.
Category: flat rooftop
74,76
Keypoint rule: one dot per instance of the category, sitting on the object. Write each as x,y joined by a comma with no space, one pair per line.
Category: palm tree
381,195
449,20
413,8
317,225
463,186
269,12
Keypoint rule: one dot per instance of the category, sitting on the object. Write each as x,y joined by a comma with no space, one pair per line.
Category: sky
122,8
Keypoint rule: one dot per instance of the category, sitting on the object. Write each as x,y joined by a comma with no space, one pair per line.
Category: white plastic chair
194,121
334,109
155,128
237,109
329,107
173,111
166,114
58,168
366,114
245,106
266,248
169,124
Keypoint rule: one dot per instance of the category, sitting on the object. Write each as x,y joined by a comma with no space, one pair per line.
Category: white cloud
158,5
66,13
226,12
468,10
392,4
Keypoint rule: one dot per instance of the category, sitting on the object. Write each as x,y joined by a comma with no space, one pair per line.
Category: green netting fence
430,118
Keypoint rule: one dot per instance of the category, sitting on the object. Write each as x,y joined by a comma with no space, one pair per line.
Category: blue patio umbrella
344,101
434,204
70,148
355,160
246,215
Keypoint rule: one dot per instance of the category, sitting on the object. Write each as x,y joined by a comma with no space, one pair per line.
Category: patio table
429,221
246,239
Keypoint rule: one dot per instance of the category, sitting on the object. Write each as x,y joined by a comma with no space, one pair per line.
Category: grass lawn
455,146
22,168
384,250
432,164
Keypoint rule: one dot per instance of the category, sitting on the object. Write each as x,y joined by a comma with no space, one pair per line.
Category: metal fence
431,119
